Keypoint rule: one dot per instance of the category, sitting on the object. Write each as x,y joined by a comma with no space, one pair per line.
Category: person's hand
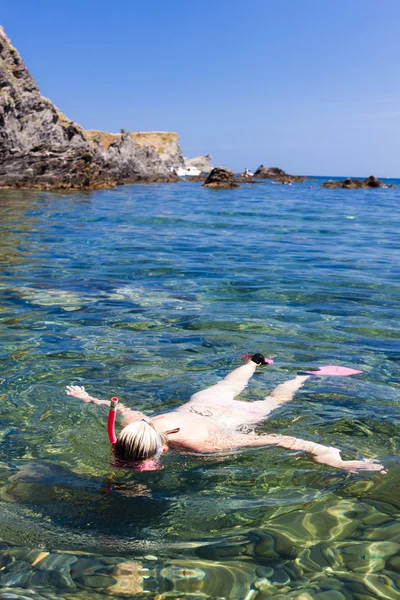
77,391
332,458
368,464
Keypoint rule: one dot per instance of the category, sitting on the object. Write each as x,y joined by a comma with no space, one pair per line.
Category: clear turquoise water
153,292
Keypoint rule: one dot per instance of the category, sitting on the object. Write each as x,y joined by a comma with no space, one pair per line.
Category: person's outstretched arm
129,415
326,455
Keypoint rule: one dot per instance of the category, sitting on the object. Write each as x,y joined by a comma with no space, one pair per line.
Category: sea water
151,293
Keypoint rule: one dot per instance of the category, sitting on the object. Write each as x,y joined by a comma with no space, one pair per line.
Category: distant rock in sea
277,175
40,148
221,178
370,182
203,163
247,177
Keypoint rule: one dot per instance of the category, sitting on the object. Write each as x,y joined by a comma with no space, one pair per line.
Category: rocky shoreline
41,149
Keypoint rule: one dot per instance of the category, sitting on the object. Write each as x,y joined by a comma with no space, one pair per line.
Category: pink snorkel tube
111,421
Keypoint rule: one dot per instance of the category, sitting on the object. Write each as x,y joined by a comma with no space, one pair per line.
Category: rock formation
370,182
40,148
277,175
165,143
221,178
127,162
203,163
247,177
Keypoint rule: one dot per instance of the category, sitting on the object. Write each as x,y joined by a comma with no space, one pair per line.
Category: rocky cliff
129,162
203,163
165,143
40,148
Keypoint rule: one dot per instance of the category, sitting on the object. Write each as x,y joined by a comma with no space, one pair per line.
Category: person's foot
257,358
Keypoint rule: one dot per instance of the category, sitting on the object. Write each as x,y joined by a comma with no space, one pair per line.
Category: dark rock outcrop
370,182
277,175
221,178
268,172
40,148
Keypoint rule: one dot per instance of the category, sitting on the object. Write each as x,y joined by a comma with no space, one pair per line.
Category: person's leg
285,391
281,394
228,388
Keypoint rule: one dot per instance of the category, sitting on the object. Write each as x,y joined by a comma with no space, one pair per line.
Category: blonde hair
139,440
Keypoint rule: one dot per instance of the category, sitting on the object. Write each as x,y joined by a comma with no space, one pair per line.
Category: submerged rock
280,577
330,595
221,178
16,593
277,175
40,148
348,183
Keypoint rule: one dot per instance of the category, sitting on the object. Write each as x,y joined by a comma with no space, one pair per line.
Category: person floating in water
213,421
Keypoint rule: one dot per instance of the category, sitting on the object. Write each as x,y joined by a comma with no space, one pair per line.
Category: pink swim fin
333,370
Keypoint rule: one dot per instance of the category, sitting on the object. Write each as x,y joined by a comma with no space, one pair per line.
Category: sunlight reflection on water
150,293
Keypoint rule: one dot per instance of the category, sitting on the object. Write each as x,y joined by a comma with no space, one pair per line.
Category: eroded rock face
277,175
165,143
127,162
348,183
221,178
203,163
40,148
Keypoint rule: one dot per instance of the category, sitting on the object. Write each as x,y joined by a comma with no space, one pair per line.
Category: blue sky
310,86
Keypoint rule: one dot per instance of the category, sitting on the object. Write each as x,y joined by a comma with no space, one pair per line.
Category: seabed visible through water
151,293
